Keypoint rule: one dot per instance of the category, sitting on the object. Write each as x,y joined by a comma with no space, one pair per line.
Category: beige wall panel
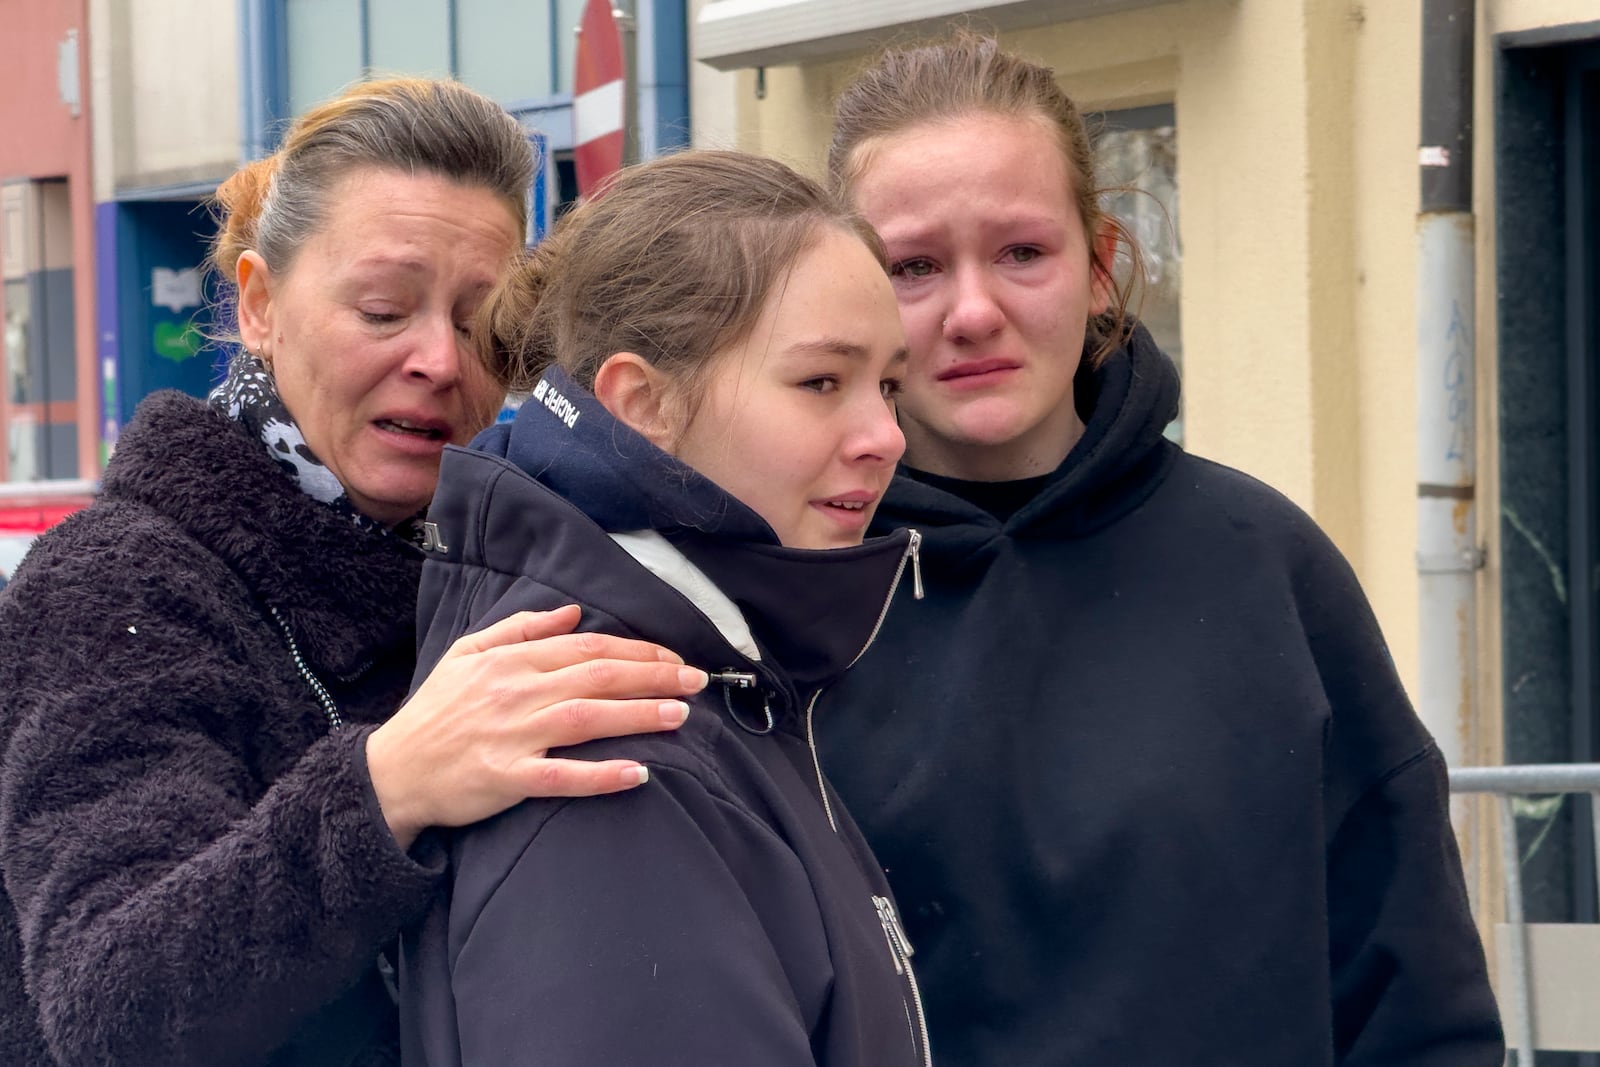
1508,16
1382,216
1333,155
1243,181
713,96
181,119
108,79
791,121
1125,60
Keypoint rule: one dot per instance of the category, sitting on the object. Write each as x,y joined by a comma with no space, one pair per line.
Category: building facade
49,404
107,223
1293,161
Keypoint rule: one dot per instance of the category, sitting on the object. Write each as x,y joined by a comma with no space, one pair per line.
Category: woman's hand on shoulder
472,740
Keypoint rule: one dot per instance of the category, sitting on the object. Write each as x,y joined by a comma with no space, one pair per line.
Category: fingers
578,778
575,721
569,650
523,626
544,639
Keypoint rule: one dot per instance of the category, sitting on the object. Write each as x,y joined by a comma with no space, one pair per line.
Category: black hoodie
1144,778
727,911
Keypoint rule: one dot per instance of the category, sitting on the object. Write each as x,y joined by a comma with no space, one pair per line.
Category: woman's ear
638,394
255,304
1102,285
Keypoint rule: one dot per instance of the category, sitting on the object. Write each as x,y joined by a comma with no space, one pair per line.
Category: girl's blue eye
823,384
1024,254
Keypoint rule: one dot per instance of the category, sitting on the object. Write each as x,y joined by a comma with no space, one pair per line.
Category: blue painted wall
162,312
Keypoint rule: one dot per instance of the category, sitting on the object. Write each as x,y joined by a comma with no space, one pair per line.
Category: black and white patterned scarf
249,396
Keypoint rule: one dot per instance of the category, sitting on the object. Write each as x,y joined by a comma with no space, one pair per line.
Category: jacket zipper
899,945
318,690
913,553
900,948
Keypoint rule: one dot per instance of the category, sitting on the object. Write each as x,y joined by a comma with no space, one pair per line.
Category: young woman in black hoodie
710,352
1139,765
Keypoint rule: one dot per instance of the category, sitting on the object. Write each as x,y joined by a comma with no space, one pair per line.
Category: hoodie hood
811,612
1126,404
566,439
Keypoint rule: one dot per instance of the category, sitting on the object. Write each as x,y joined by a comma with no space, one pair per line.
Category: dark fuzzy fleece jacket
198,866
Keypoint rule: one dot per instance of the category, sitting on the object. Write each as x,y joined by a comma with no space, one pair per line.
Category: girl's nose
974,314
880,439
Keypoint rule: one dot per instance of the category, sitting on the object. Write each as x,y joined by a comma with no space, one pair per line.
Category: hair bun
239,203
510,331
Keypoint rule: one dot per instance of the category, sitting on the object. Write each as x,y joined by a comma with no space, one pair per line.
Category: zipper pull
916,564
892,924
733,679
885,911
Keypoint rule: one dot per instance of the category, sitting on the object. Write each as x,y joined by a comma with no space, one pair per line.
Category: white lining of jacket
655,554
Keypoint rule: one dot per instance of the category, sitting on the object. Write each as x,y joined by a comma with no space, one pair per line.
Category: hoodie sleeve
667,925
168,911
1409,982
1410,987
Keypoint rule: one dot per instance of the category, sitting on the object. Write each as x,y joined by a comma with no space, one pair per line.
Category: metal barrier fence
1545,963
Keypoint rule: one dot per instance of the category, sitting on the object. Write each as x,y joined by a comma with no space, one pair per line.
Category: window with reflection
1138,153
511,50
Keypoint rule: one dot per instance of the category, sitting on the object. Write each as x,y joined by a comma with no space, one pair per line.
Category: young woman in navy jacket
710,352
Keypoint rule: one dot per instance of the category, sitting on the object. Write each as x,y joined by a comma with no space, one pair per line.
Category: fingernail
693,678
636,775
673,712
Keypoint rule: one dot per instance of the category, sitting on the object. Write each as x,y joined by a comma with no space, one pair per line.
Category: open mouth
846,505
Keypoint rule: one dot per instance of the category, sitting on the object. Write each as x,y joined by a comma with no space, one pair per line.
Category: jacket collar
343,591
528,498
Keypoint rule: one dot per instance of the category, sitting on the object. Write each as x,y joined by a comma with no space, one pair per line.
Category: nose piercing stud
945,324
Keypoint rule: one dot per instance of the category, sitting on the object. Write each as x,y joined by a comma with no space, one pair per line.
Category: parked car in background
28,509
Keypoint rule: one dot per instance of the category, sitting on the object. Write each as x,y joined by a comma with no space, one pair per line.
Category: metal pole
1521,993
253,59
628,26
1594,827
1448,556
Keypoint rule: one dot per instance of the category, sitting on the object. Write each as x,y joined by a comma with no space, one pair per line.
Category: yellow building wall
1506,16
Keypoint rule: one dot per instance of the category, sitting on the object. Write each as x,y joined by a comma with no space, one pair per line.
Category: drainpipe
1448,556
627,20
254,74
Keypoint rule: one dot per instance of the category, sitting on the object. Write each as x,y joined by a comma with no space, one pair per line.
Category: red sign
35,518
597,98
